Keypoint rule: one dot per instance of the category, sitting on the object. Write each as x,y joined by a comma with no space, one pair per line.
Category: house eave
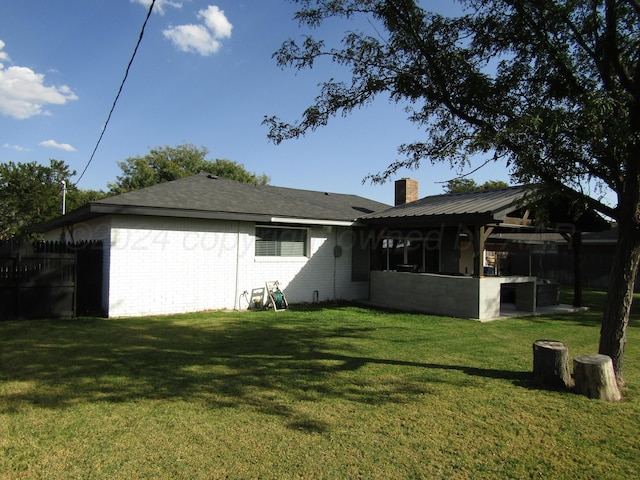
431,220
94,210
312,221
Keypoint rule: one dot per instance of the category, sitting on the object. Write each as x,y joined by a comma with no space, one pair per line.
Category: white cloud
17,148
201,38
159,6
193,38
215,20
60,146
23,93
4,56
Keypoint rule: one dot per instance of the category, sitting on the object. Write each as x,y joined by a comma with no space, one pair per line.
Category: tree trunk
595,378
613,334
551,363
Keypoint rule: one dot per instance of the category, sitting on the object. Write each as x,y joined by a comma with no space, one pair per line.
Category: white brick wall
161,265
322,272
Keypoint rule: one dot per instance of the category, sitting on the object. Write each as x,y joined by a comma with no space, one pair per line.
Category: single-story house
205,242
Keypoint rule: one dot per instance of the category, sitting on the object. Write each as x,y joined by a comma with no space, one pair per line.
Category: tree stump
551,363
595,378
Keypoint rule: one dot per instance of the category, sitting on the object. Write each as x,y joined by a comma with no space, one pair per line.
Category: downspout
64,197
387,248
236,301
335,263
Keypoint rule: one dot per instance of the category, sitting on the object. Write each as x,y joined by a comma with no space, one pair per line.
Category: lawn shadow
220,363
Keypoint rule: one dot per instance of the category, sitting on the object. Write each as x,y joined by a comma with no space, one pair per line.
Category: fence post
18,274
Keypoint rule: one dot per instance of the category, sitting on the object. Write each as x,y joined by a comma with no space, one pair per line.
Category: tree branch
611,17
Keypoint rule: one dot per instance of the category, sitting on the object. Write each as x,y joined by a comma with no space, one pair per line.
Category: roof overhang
432,220
95,210
312,221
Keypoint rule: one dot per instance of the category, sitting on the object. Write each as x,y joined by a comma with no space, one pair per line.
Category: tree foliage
164,164
549,87
31,193
459,185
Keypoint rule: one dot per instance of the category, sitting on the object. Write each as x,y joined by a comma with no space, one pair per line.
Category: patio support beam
577,268
480,235
487,232
575,241
524,221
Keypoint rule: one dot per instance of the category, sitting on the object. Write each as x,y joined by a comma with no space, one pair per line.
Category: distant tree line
31,193
461,185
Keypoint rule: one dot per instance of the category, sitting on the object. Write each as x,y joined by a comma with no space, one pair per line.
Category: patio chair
257,299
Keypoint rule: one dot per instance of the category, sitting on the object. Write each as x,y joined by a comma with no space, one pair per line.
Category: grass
313,392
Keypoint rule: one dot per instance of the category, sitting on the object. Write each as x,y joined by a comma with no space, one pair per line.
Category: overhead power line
115,101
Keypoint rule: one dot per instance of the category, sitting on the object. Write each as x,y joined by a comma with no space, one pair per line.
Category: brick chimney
406,191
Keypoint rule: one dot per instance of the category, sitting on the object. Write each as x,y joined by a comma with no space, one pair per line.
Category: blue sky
203,75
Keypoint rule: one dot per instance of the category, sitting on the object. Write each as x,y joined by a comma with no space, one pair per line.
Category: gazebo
429,254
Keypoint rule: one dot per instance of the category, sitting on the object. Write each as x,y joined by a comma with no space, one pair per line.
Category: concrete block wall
489,296
454,296
436,294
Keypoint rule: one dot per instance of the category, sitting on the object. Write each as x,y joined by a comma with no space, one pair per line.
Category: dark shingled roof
482,206
208,196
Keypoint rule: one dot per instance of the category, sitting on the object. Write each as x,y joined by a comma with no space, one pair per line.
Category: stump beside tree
595,378
551,363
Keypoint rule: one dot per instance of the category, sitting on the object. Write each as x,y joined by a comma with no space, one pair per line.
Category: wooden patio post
478,251
480,235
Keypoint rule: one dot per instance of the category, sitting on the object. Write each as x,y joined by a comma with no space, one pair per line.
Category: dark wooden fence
50,279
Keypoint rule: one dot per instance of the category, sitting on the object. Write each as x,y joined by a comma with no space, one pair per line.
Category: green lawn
327,392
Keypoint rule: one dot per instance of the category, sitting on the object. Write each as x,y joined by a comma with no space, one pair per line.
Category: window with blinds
281,242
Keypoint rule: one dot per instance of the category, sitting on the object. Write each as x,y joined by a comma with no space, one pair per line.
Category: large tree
164,164
31,193
551,87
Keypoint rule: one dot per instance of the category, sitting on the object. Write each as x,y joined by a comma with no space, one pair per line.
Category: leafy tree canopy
459,185
31,193
551,88
164,164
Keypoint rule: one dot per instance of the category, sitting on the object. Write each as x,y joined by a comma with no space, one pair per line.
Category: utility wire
126,74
